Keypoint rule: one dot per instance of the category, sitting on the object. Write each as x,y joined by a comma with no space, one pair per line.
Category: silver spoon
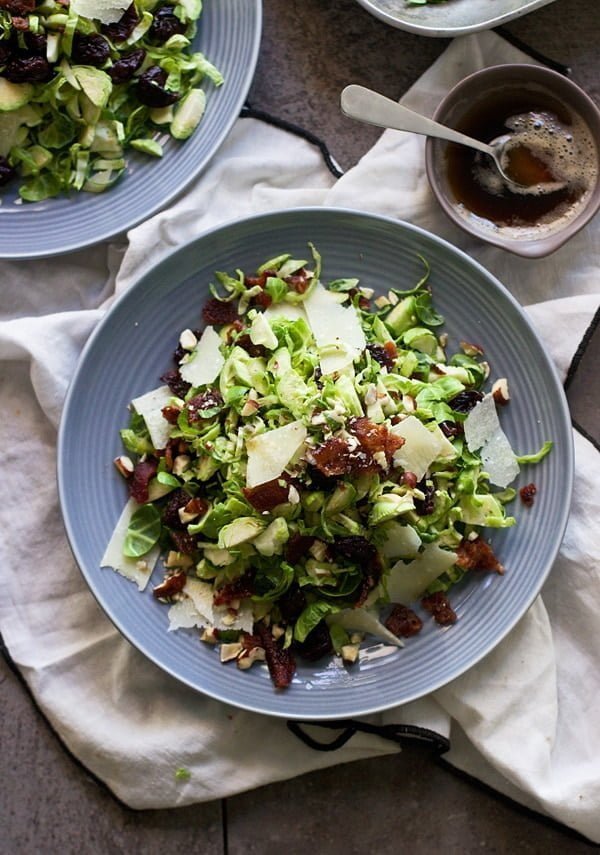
363,104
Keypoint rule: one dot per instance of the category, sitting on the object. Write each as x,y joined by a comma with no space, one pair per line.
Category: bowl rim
580,101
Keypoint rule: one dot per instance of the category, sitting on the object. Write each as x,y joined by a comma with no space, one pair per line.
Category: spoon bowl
365,105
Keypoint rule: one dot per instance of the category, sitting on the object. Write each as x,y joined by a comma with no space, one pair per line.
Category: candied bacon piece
267,496
374,438
297,547
263,300
169,586
316,644
239,588
261,280
527,494
280,661
218,313
143,473
477,555
437,605
403,622
18,7
299,281
332,457
184,542
197,406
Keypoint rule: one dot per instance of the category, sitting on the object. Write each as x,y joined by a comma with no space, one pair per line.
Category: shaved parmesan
336,329
184,615
360,620
206,360
135,569
483,431
150,407
106,11
446,450
420,449
408,581
201,594
270,452
401,541
244,619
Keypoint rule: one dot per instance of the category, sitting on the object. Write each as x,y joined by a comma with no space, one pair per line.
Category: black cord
554,64
580,352
398,733
249,112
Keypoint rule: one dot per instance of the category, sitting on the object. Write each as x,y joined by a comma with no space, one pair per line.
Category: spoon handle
363,104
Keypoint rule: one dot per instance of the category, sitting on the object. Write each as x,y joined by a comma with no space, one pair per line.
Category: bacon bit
184,542
297,547
267,496
316,644
178,386
263,300
527,494
280,661
18,7
207,400
218,313
238,589
335,457
437,604
374,438
174,447
477,555
299,281
403,622
143,473
170,414
196,506
245,342
169,586
261,281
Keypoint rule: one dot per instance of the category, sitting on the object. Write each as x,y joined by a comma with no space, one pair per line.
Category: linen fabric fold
522,720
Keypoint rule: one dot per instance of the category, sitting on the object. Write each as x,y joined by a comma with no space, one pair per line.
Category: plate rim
560,526
171,195
449,32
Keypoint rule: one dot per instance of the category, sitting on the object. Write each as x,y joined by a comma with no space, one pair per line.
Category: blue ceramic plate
454,18
132,347
229,35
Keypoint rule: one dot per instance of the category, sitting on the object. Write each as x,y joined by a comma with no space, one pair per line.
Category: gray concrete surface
401,803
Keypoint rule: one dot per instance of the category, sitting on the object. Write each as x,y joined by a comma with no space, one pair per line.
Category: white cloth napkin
522,720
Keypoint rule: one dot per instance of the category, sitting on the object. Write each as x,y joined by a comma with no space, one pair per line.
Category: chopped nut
249,408
371,394
229,619
367,292
350,652
277,631
356,637
500,391
142,566
230,651
293,495
393,298
381,460
246,660
208,635
382,302
124,465
188,340
486,369
318,550
443,339
181,463
471,349
192,510
409,403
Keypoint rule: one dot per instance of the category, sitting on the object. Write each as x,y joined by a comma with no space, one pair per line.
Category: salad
315,467
81,82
